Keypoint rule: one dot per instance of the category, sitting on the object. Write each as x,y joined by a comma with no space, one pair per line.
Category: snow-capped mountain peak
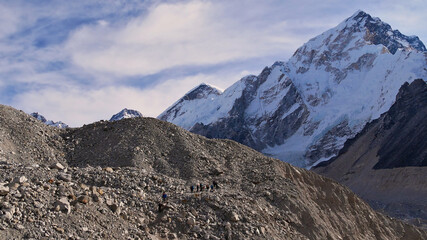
191,102
303,111
125,113
202,91
41,118
38,117
354,33
378,32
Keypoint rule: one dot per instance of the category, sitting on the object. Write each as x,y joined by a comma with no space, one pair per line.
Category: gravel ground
105,181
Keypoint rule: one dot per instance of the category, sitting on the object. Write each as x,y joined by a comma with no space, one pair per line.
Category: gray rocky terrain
105,181
386,164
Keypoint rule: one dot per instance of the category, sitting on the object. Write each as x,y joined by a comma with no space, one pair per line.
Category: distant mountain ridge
302,111
41,118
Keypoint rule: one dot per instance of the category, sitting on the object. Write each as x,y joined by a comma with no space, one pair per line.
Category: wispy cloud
176,34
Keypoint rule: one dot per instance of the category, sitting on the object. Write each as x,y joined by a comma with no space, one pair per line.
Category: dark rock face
405,129
276,128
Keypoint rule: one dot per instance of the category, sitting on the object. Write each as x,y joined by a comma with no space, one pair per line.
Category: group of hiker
200,187
197,188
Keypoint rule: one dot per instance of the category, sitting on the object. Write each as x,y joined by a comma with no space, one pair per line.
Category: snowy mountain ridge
125,113
41,118
303,111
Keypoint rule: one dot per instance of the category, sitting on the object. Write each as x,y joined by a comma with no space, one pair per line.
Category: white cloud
77,106
176,34
10,20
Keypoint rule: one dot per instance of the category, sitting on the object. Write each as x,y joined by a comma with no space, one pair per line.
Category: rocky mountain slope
125,113
302,111
386,164
41,118
24,138
108,182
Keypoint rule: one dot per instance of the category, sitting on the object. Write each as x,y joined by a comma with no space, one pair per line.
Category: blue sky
83,61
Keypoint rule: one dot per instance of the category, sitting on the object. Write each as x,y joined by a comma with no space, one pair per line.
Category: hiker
164,196
192,188
215,184
207,187
197,187
160,207
212,188
201,187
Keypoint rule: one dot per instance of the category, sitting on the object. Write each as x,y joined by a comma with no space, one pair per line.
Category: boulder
83,199
20,179
64,177
191,221
57,166
62,205
234,217
4,190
